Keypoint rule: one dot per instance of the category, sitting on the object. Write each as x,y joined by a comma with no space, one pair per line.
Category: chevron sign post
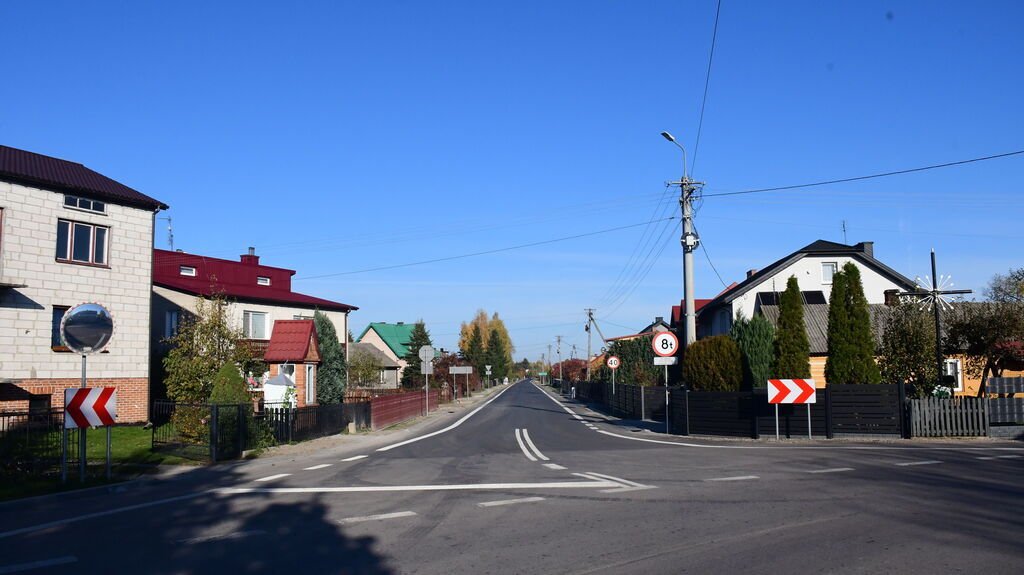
792,391
90,407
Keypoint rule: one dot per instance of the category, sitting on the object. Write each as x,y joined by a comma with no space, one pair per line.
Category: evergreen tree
755,338
713,364
635,366
792,350
497,355
229,387
332,376
839,360
411,376
864,370
474,350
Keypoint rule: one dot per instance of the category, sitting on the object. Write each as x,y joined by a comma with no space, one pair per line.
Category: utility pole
590,321
690,241
558,339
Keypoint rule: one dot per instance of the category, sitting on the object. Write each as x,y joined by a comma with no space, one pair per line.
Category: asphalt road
528,483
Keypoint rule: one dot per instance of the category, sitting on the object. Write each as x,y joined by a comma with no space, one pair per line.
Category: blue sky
342,136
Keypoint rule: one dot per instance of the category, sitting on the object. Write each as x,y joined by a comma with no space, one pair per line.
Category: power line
707,81
494,251
858,178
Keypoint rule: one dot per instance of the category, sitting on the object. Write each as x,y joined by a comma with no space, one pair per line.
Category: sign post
84,329
464,369
665,344
488,368
613,364
426,354
792,391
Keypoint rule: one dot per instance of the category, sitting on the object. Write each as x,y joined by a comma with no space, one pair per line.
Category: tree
713,364
907,353
474,351
497,355
755,338
229,387
332,376
635,365
204,343
1007,288
989,334
486,324
364,368
570,369
411,376
851,343
792,350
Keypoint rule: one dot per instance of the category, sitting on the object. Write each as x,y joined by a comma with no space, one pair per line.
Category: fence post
242,423
904,406
213,433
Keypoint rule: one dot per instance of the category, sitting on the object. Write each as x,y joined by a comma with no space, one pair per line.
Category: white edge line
590,484
833,470
273,477
509,502
522,447
737,478
321,466
395,515
357,457
526,436
37,564
449,428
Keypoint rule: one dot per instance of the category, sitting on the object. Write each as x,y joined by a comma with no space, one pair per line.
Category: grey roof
384,360
816,323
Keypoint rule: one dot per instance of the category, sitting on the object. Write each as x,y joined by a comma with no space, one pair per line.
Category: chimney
867,247
750,273
251,258
891,297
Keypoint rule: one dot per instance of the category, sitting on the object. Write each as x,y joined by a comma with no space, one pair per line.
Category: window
288,370
58,314
85,204
187,271
263,281
254,324
828,269
83,243
952,367
171,324
310,384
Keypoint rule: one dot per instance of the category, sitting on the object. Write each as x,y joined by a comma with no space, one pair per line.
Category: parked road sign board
791,391
90,407
460,369
612,362
665,343
665,360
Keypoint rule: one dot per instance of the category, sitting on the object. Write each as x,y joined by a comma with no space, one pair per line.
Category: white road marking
273,477
39,564
592,483
226,536
623,484
321,466
833,470
553,466
1008,456
449,428
736,478
908,463
357,457
990,457
395,515
509,501
526,437
522,446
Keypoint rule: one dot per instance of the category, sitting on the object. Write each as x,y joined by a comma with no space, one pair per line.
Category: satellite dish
87,328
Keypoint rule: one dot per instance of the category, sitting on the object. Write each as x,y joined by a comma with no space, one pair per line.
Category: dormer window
187,271
263,281
85,204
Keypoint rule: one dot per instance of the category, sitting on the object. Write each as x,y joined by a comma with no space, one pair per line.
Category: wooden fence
949,417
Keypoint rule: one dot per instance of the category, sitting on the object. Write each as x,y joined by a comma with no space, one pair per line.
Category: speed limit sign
613,362
665,344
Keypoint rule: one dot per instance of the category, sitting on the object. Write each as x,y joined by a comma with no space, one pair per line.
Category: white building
69,235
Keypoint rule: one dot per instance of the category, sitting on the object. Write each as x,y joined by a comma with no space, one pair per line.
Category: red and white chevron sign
90,407
791,391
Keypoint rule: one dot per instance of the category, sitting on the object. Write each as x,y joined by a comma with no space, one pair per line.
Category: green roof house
390,338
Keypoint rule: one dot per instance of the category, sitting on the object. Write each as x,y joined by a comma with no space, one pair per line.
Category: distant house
69,235
391,339
259,296
390,370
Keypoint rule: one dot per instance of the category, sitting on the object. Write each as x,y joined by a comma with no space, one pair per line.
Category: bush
713,364
229,387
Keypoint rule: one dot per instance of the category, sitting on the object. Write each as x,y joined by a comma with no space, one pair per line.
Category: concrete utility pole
590,322
690,241
558,339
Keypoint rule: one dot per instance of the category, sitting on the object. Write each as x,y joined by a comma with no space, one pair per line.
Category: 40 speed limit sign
665,344
613,362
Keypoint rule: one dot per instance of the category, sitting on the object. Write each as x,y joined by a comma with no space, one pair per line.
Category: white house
69,235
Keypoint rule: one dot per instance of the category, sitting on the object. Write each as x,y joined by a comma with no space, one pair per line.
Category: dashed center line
226,536
736,478
321,466
273,477
39,564
509,501
832,470
554,466
356,458
909,463
395,515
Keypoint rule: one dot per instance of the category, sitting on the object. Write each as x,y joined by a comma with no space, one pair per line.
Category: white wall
27,256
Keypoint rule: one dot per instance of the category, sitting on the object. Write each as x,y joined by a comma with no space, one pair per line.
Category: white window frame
835,270
85,204
310,383
247,330
187,271
957,371
97,256
262,280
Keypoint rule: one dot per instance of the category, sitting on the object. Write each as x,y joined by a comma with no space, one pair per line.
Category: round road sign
665,344
613,362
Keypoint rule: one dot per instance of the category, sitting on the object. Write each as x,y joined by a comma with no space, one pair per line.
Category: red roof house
294,351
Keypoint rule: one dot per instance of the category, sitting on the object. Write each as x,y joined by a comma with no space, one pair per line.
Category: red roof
54,173
292,340
677,313
235,279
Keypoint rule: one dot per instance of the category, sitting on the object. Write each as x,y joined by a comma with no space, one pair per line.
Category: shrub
713,364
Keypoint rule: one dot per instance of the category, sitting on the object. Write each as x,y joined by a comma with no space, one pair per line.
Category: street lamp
690,241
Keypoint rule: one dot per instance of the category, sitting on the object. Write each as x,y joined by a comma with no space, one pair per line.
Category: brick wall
132,394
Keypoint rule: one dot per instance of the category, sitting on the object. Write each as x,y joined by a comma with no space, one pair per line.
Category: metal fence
949,417
30,443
